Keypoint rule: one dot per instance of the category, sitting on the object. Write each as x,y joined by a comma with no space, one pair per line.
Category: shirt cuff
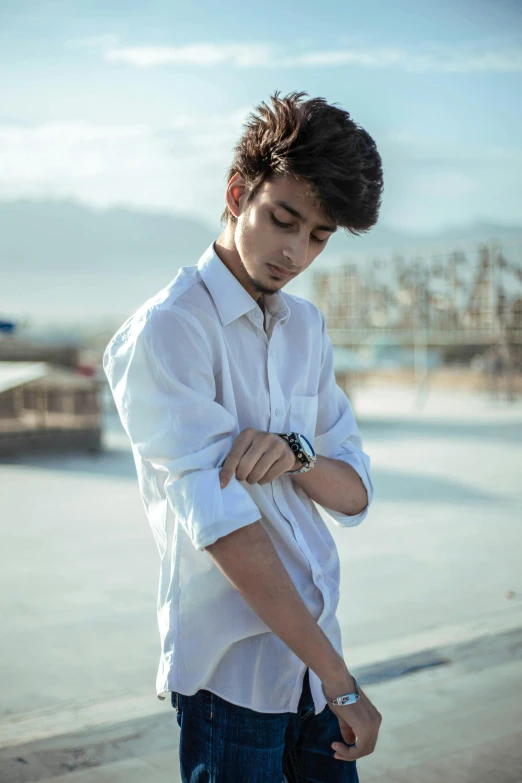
208,512
360,462
325,444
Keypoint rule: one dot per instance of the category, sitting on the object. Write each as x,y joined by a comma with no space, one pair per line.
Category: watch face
307,446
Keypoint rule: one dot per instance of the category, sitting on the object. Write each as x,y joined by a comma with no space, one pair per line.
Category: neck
226,250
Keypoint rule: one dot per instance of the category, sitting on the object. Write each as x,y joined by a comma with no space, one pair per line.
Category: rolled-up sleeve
160,371
337,435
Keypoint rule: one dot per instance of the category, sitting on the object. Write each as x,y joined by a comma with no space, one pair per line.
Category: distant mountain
382,237
66,236
65,260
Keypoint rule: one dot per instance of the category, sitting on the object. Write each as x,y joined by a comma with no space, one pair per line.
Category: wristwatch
348,698
302,448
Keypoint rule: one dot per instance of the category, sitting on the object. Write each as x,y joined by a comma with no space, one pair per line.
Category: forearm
334,484
250,561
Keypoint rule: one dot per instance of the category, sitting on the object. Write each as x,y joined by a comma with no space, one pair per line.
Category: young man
226,388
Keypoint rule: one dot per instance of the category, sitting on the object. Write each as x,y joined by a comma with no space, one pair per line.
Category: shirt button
277,411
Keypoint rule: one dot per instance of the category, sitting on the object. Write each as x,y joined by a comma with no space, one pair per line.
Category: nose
296,253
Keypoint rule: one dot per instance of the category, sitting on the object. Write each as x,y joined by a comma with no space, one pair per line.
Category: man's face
282,227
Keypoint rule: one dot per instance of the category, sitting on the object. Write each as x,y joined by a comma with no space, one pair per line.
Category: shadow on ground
504,432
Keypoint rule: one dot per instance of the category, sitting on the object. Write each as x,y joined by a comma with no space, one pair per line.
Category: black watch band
293,440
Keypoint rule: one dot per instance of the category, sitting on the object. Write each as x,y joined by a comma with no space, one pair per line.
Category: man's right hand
359,722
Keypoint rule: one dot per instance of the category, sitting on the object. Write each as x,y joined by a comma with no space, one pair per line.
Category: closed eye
277,222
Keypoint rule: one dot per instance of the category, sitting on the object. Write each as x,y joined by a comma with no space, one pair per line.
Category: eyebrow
300,217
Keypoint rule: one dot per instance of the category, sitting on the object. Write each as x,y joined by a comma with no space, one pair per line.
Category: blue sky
140,103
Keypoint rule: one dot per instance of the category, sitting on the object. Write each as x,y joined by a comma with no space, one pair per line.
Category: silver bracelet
347,698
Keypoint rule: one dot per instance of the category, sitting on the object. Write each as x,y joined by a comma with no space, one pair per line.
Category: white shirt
190,370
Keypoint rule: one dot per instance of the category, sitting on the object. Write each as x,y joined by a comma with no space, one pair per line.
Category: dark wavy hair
316,142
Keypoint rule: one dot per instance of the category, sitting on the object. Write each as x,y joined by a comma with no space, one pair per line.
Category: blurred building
48,399
427,310
43,406
455,298
18,349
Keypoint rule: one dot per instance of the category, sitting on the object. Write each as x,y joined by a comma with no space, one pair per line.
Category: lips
282,272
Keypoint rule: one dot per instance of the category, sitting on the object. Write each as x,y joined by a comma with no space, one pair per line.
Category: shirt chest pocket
302,416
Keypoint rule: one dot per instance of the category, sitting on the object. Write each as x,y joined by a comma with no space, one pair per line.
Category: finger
239,447
285,462
347,733
265,466
279,467
346,757
259,449
347,753
337,756
287,450
270,464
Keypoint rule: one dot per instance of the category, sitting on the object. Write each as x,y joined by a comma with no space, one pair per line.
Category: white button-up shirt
190,370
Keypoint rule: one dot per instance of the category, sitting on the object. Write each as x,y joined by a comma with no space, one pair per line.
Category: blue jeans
223,743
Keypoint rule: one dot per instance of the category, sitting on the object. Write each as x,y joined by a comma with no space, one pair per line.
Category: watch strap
293,441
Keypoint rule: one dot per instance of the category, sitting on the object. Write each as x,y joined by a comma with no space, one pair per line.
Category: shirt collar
232,300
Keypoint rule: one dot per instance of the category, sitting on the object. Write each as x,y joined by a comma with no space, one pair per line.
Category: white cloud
440,59
507,61
204,54
366,58
464,58
181,166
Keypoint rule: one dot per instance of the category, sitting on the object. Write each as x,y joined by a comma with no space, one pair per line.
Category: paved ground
435,564
459,722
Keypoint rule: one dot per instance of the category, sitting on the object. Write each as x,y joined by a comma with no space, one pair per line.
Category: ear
236,189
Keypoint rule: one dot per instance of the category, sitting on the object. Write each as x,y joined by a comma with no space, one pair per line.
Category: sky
140,103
